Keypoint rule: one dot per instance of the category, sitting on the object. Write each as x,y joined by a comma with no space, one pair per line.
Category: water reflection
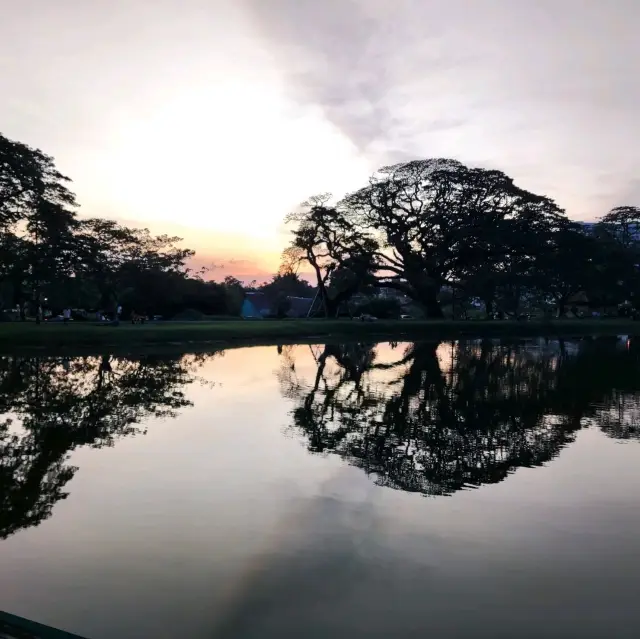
432,418
435,418
52,406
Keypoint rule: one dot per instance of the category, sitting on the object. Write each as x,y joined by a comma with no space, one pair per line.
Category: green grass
79,336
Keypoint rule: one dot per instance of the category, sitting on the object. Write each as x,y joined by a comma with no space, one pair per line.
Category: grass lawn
82,337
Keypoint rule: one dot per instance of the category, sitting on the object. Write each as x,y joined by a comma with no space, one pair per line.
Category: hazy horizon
211,120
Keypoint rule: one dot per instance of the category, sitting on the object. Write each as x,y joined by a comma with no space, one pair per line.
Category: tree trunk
424,289
106,297
488,306
562,306
331,307
432,305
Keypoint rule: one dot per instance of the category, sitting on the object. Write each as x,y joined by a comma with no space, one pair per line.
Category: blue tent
255,306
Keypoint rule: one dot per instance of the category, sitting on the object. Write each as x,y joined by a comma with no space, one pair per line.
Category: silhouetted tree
618,236
120,259
432,225
334,248
36,219
287,284
438,219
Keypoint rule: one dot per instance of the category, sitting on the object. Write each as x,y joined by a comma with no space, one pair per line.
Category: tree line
48,254
440,232
436,231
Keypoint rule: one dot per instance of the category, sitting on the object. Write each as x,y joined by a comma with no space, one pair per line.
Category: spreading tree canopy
422,226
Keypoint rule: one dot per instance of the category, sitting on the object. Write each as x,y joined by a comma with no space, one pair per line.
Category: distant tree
623,223
120,259
569,267
287,284
234,289
230,280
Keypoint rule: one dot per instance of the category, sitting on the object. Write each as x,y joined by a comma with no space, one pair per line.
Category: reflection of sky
220,524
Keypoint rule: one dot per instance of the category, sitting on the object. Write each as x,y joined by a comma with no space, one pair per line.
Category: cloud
543,90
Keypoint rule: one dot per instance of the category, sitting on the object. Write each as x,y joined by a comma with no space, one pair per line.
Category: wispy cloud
162,111
546,91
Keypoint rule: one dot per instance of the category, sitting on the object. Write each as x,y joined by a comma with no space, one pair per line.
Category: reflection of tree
602,383
419,425
331,387
620,417
53,406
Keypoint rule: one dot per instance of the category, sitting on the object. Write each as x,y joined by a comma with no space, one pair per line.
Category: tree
437,221
36,217
29,178
569,268
618,236
623,223
122,260
325,239
45,251
288,284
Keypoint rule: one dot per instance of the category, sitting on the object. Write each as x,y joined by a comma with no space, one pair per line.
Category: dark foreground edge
14,627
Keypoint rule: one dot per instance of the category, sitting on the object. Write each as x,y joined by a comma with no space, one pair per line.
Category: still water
470,489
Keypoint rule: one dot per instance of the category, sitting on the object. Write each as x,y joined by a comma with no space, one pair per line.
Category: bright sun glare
233,158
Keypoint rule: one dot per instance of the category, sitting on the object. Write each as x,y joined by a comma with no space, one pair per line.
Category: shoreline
85,338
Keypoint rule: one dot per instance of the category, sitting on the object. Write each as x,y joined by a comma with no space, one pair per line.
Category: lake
456,489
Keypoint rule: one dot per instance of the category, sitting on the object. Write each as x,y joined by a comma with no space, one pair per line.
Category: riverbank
82,337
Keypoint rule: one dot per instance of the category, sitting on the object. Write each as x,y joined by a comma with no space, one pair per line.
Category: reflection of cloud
316,555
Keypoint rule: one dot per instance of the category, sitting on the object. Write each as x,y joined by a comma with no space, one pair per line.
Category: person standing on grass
66,315
116,315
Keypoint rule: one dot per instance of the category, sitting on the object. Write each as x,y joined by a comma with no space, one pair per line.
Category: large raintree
437,221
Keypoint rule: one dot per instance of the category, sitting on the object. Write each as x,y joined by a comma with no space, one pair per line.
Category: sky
212,119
